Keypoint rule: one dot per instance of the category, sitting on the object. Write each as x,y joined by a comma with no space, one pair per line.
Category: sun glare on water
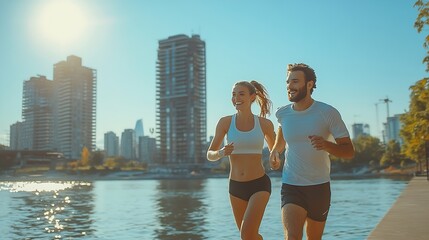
60,22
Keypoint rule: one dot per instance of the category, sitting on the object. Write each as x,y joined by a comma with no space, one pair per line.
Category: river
172,209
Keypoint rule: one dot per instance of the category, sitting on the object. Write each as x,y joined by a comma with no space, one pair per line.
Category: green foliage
422,21
96,158
367,149
368,152
115,163
415,129
392,156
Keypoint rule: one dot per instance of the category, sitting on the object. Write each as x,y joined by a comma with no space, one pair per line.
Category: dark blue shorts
315,199
244,190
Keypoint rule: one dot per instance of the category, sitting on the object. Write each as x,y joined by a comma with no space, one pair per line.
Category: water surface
172,209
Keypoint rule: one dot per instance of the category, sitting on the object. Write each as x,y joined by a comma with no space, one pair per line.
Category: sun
60,22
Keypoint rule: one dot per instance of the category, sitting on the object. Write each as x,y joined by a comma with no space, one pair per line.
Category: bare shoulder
224,122
266,123
225,119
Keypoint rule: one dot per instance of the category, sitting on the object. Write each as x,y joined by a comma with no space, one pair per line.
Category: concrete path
408,219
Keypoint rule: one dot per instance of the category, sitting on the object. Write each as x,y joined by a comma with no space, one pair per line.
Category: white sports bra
246,142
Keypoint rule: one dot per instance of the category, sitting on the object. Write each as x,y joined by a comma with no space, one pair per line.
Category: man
306,125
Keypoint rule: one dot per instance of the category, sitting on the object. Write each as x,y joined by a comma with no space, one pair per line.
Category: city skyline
362,53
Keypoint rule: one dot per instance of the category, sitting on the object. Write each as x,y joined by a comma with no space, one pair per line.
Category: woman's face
241,97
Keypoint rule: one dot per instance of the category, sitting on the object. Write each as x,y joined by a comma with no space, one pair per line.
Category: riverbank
141,175
408,217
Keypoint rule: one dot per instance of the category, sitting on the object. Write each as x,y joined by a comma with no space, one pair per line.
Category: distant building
392,129
74,108
15,138
128,144
181,115
360,129
37,114
147,149
138,129
111,144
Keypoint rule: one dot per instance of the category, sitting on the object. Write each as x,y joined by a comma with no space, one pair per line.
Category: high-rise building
74,108
360,129
393,127
181,100
111,144
37,113
138,129
128,144
15,138
147,149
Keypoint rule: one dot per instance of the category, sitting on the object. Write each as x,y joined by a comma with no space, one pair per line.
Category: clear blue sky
362,51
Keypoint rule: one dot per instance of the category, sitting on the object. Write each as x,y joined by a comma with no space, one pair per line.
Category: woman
249,186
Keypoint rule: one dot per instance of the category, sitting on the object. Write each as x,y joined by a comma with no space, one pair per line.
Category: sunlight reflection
38,187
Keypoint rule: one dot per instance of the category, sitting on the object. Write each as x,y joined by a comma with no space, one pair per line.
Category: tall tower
74,107
37,113
181,100
139,132
128,144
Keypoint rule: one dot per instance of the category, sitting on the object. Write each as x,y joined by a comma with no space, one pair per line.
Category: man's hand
318,142
274,160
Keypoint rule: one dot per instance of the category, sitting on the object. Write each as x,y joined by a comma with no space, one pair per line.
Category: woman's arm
279,146
214,153
268,129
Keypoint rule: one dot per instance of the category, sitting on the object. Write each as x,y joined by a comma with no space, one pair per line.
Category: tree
96,158
85,157
368,150
422,21
415,129
392,155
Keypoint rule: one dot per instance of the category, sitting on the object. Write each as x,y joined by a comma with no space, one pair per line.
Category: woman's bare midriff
246,167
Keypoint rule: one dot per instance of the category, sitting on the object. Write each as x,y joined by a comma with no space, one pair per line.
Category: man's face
296,86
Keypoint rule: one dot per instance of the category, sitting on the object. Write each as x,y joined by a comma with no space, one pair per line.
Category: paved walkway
408,219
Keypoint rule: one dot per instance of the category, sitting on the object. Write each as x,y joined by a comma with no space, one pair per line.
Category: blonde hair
261,95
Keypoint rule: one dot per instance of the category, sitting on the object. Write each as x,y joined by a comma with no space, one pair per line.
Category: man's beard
301,94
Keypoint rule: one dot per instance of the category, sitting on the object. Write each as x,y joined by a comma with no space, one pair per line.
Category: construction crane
386,101
376,118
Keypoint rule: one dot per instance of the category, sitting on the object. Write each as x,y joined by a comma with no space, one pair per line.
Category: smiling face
241,97
297,87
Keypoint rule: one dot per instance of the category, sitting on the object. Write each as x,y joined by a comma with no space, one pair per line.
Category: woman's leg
253,216
238,206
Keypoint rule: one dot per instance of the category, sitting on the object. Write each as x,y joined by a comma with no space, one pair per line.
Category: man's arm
342,148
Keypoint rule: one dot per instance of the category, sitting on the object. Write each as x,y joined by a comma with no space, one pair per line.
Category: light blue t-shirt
305,165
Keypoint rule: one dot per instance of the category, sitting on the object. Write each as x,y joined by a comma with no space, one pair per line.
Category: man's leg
293,218
314,229
319,201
